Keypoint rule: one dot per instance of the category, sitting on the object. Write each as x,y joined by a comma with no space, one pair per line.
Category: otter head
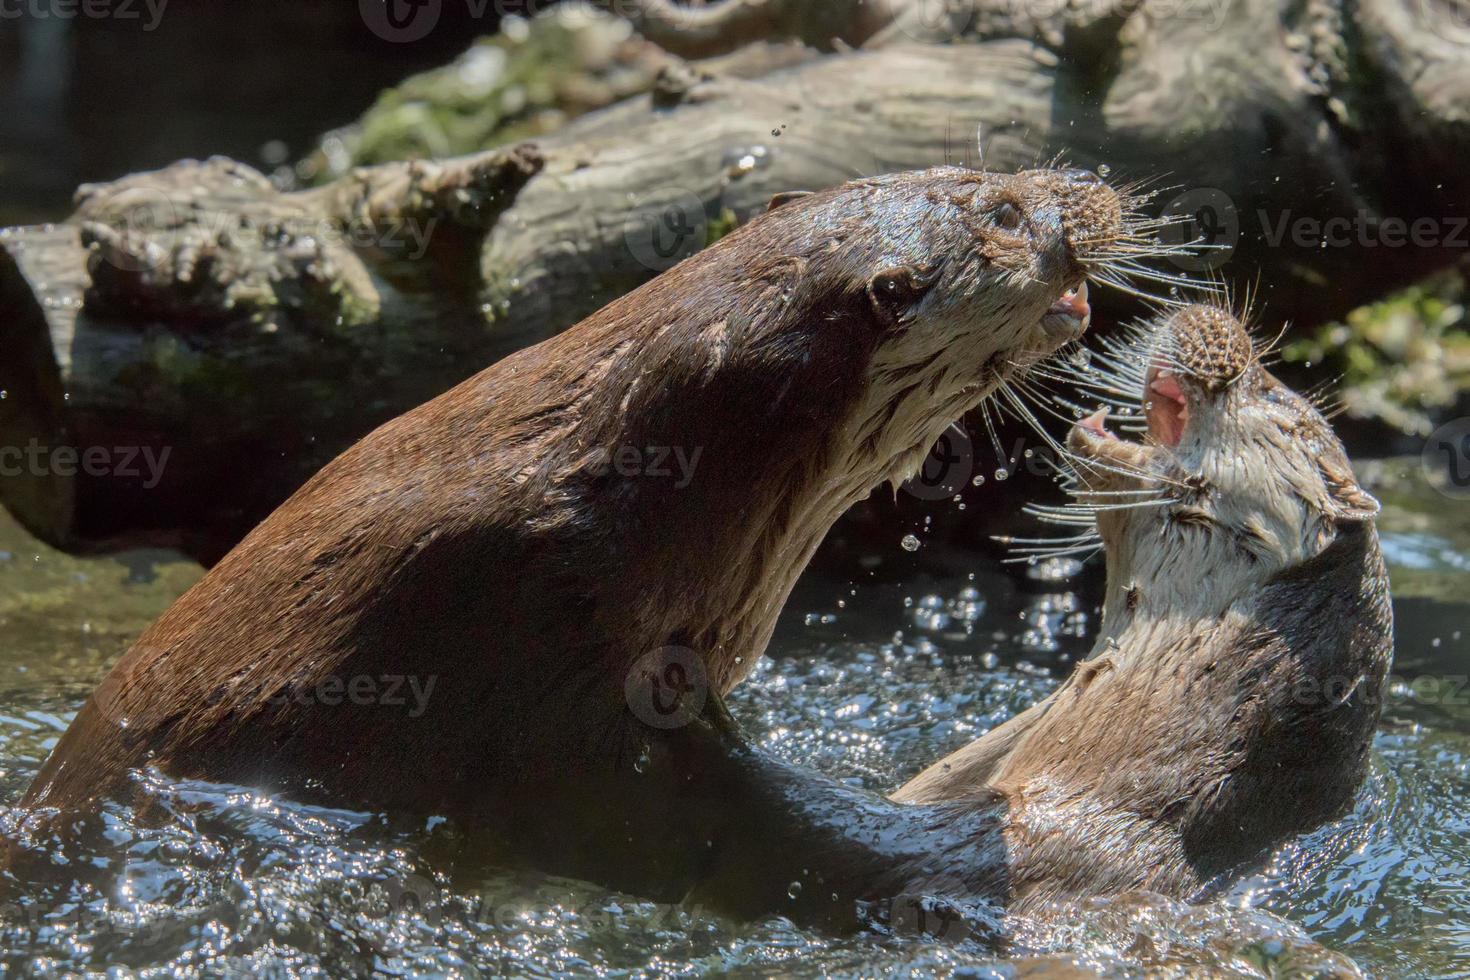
963,277
964,259
1237,477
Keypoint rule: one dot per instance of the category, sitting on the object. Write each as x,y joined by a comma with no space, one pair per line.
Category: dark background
93,98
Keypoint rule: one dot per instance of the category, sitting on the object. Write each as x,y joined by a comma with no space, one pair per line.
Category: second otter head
1237,478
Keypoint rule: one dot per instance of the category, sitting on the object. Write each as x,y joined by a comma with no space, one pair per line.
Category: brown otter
1229,701
1232,694
500,558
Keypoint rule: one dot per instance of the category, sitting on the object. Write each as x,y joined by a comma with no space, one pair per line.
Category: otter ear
786,197
895,291
1346,501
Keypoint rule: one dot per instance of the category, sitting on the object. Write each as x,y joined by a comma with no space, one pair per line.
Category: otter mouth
1069,317
1165,406
1165,411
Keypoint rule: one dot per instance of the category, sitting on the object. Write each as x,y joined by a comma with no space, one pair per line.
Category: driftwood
252,334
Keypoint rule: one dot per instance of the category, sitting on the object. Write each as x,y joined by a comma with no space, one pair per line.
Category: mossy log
254,333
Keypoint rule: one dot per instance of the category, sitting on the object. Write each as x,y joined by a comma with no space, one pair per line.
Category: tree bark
254,334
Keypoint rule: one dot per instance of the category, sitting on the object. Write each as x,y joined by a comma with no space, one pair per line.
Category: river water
866,681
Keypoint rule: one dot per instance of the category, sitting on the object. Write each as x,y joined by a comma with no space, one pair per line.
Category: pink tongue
1097,424
1073,303
1167,410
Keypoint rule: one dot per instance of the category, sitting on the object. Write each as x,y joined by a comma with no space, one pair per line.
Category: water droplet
1029,454
1103,169
4,394
910,543
979,481
1001,473
641,763
795,889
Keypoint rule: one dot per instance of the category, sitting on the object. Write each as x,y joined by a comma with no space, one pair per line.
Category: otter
503,557
1230,698
1246,638
1232,693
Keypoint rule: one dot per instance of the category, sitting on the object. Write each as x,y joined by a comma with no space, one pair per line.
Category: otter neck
790,435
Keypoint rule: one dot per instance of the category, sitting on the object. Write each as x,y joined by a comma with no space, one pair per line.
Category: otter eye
1008,216
894,292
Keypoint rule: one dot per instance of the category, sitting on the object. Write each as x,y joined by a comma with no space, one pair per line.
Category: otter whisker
1066,519
1124,287
1084,551
985,417
1029,417
1183,282
1114,493
1119,470
1130,505
1011,539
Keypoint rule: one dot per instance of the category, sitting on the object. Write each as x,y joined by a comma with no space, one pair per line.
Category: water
868,682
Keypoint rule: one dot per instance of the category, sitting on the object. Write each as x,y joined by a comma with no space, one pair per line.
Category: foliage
1403,361
523,82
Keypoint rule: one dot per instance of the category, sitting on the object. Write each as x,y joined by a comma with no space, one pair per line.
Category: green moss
1402,361
723,223
524,82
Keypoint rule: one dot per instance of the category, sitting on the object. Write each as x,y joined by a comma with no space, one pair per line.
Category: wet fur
477,540
1231,697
